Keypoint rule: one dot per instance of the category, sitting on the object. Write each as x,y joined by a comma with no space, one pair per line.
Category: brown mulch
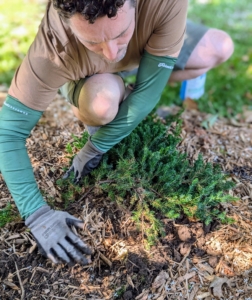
192,261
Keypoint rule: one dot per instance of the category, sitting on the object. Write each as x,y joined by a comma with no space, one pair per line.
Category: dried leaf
14,236
122,254
190,104
235,123
209,122
11,285
205,267
248,116
143,296
225,270
203,296
186,276
160,280
130,282
216,285
194,292
44,136
42,270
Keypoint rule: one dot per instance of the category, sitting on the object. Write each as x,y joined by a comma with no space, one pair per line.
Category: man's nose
110,50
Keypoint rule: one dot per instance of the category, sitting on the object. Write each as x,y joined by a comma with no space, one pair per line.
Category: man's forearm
16,122
152,77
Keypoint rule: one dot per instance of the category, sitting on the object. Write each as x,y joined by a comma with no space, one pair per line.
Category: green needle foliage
69,191
149,176
6,215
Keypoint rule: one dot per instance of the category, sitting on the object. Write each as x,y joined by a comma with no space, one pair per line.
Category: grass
19,21
6,215
228,87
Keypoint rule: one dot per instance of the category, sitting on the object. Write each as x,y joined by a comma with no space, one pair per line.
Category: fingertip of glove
89,251
52,258
89,261
86,261
74,222
68,172
65,176
77,181
71,264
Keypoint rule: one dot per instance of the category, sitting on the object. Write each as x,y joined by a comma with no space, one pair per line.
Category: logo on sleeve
15,108
163,65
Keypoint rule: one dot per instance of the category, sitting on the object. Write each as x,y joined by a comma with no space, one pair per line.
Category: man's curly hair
90,9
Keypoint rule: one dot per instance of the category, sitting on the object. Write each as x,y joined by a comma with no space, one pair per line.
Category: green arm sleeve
16,123
153,75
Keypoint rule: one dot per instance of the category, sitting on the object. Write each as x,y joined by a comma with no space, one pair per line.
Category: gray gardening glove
55,239
84,161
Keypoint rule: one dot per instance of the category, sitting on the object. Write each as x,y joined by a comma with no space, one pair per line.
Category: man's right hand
84,162
55,239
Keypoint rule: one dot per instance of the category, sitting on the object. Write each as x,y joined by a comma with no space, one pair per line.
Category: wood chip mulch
192,261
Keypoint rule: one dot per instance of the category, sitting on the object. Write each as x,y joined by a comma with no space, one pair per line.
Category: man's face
107,37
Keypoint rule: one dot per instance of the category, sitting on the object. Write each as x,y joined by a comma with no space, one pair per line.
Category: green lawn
19,21
228,87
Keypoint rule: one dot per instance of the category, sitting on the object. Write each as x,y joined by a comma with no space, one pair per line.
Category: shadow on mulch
31,276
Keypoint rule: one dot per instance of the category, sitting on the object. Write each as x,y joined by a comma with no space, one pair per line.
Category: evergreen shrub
148,175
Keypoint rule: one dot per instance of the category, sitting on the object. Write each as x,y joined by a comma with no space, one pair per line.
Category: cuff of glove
42,210
90,148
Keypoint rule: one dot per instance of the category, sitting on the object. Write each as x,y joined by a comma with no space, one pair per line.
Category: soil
191,261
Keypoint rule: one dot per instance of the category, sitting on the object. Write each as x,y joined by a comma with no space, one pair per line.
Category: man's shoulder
158,5
150,3
54,41
53,28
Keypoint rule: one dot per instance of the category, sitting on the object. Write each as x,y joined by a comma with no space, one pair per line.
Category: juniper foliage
148,175
6,215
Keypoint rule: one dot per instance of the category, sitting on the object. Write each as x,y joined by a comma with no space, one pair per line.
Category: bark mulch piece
191,261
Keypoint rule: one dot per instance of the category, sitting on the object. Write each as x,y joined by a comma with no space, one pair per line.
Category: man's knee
103,108
101,111
222,44
100,98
